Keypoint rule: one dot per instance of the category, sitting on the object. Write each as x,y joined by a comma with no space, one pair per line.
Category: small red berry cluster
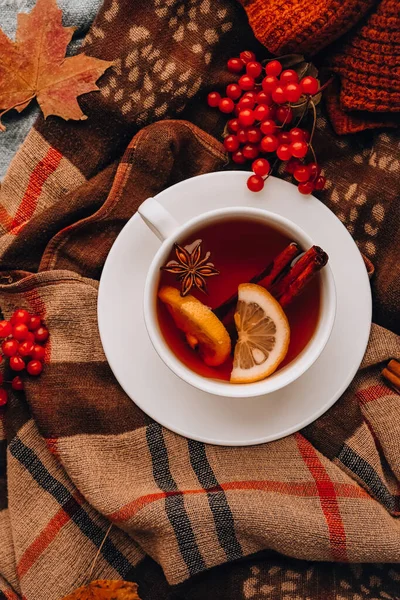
23,338
265,98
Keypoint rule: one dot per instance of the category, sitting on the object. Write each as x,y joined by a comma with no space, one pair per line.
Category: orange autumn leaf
35,66
105,589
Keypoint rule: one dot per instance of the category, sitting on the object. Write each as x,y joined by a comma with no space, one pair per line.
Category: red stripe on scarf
374,392
42,541
306,490
52,446
328,498
9,595
37,179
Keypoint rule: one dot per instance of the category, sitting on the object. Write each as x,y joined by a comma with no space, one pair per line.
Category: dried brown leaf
105,589
35,66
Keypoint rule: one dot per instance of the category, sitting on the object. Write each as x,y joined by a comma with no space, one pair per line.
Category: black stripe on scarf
78,515
174,504
221,512
363,470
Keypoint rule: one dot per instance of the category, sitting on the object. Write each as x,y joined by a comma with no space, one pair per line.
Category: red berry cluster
262,102
23,338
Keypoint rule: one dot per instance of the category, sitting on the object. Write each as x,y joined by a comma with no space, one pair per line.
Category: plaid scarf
76,453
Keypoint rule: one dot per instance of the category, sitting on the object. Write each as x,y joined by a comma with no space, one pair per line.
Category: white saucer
215,419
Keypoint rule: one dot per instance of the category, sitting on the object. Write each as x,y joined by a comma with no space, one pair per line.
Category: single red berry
254,135
261,167
231,143
242,135
269,143
293,92
34,322
301,173
283,137
284,152
16,363
10,347
315,170
213,99
21,316
34,367
269,83
247,56
251,94
292,164
3,397
274,67
246,117
233,91
306,187
296,134
5,329
268,126
320,183
17,384
26,348
279,95
41,334
306,135
20,331
238,158
309,85
246,102
299,149
254,69
30,336
261,112
38,352
264,98
235,65
250,151
226,105
233,125
246,82
284,114
255,183
289,76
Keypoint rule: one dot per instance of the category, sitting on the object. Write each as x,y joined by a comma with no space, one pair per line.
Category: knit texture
369,62
367,58
285,26
76,453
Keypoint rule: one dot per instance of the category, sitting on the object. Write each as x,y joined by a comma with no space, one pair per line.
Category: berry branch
264,101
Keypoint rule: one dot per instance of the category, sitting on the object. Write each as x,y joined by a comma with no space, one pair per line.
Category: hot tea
240,251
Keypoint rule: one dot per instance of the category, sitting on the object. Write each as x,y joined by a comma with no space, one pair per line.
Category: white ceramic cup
164,226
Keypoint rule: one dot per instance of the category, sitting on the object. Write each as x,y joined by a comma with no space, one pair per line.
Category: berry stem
314,122
323,87
304,112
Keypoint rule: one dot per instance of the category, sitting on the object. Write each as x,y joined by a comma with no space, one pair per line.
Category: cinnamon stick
392,374
266,278
297,286
298,268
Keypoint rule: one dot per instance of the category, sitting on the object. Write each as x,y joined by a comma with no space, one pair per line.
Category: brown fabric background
76,453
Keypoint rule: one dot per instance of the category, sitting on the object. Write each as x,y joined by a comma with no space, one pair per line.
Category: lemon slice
263,334
199,324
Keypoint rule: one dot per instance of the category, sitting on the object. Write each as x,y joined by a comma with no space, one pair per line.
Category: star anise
190,268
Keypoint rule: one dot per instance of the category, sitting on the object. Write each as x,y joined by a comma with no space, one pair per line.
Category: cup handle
157,219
